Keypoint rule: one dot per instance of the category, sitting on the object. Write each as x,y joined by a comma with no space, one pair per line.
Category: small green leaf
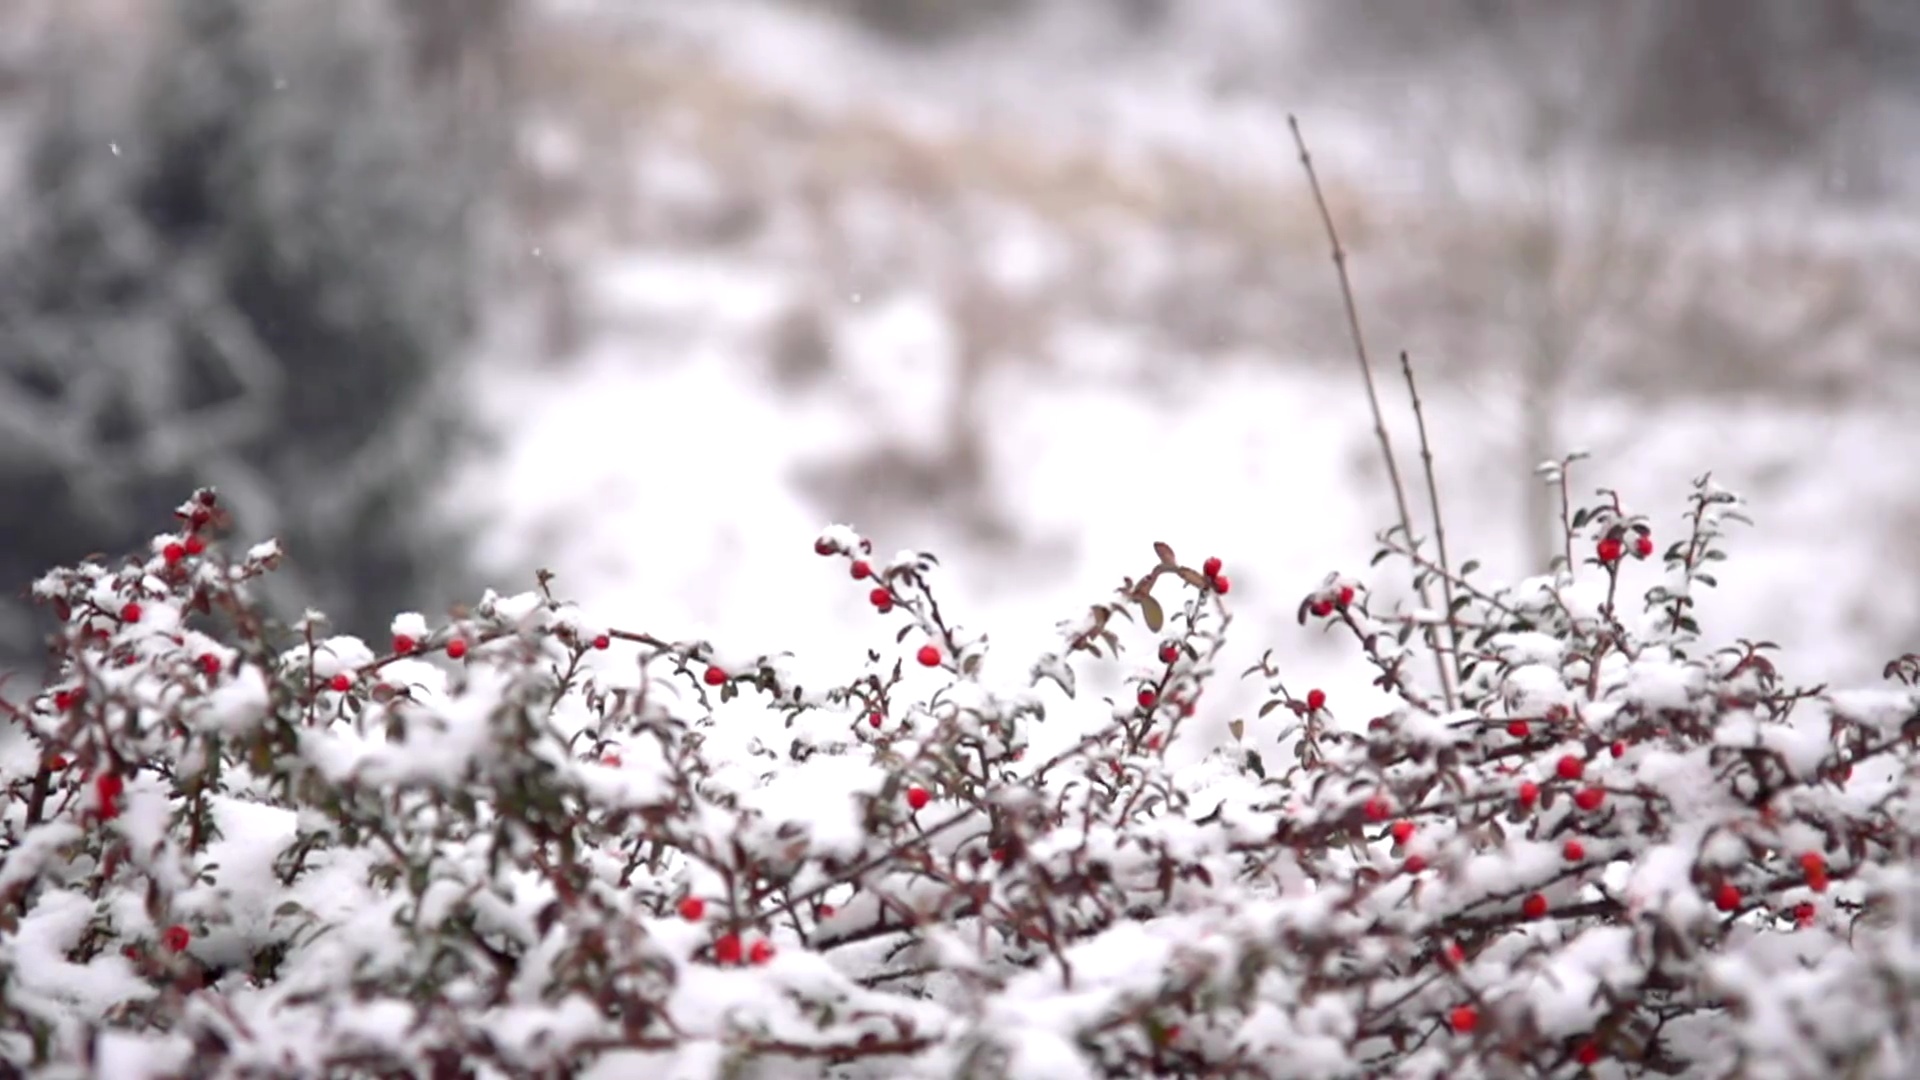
1469,567
1150,609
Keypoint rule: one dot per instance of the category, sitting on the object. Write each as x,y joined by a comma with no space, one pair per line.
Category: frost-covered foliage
243,232
1590,840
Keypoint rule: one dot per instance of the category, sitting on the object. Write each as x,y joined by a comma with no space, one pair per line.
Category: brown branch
1366,377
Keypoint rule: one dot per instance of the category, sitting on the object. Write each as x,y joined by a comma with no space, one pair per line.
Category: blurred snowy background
646,291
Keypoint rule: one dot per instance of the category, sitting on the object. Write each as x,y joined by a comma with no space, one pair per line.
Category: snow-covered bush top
1593,841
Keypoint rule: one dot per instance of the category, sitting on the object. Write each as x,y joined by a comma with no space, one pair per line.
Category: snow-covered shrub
1594,841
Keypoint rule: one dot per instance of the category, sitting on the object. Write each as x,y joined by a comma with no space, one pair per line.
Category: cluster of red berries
728,948
1217,580
882,596
1327,603
1611,548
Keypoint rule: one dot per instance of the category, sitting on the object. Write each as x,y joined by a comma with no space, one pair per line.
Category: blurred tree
247,272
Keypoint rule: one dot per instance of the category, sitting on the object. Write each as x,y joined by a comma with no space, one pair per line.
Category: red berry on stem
1803,913
1643,545
1377,809
1464,1019
1589,798
403,644
823,546
1169,653
1587,1052
875,719
929,655
1534,906
918,797
107,787
130,613
1727,897
861,569
341,683
195,545
1574,851
693,909
1610,549
173,553
1415,864
1221,584
1316,700
610,760
1211,568
1147,698
761,952
1321,608
1618,749
176,938
209,664
714,676
1453,954
880,597
1346,596
1402,831
1519,729
456,648
1529,794
1570,768
602,642
726,948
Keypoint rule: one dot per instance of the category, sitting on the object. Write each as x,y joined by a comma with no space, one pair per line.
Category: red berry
1803,913
1346,596
1402,831
714,676
1570,768
176,938
62,700
726,948
1464,1019
1618,749
875,719
761,952
130,613
1321,608
403,644
602,642
1147,698
1574,851
57,762
173,553
1590,798
693,909
880,597
929,656
1221,584
1211,568
1815,866
1453,954
341,683
1169,653
1643,545
1519,729
1727,897
1377,809
209,664
1610,549
1534,906
107,787
1415,864
195,545
1316,700
1587,1052
918,797
456,648
823,546
861,569
826,911
1153,741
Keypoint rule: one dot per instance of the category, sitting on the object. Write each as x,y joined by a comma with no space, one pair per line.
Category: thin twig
1366,377
1439,531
